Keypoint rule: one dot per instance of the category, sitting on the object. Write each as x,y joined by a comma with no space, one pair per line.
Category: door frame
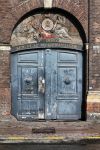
69,47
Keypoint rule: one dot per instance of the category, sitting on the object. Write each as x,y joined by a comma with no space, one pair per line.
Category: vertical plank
27,101
51,83
41,74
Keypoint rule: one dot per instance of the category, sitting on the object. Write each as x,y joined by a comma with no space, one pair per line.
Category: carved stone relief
45,28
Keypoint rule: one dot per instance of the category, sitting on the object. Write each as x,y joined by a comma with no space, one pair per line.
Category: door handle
41,85
67,80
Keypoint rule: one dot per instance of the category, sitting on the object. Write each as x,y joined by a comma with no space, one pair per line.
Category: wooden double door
46,84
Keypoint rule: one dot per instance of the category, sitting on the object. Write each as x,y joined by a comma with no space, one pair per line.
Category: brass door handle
41,85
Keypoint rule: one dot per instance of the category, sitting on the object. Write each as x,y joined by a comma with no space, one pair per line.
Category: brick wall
94,67
10,13
12,10
5,98
94,57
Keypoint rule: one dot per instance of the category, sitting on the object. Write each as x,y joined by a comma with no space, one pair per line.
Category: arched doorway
47,69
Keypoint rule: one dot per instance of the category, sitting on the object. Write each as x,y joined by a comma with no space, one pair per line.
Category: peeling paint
41,115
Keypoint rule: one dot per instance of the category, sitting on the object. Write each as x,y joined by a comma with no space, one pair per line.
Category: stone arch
17,12
72,11
72,20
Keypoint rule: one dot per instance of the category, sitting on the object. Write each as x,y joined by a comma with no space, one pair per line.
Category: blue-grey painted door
27,70
63,95
47,84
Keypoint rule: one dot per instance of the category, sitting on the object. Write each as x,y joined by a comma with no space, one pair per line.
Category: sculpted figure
60,29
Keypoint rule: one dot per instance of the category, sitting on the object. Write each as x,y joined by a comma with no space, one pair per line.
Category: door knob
67,80
41,85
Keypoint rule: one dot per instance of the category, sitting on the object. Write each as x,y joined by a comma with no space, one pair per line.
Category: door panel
66,82
67,107
29,101
28,80
69,85
63,74
47,84
64,56
28,57
28,89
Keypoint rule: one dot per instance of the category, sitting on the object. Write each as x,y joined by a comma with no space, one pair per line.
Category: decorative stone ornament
47,24
48,3
46,28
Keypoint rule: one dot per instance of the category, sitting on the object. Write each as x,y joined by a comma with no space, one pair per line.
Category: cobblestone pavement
12,131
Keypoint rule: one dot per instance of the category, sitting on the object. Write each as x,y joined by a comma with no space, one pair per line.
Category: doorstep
13,131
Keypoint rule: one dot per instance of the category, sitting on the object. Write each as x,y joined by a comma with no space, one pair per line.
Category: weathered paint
47,84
